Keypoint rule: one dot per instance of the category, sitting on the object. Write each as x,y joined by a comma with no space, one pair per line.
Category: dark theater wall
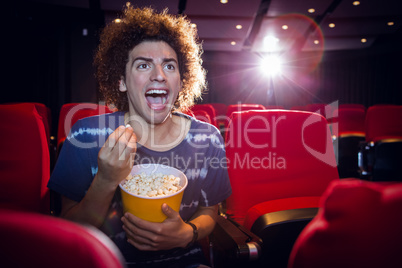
49,54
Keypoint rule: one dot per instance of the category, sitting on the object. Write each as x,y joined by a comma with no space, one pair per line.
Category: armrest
279,231
233,245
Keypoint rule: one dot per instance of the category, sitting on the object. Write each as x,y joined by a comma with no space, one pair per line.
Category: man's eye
170,66
142,66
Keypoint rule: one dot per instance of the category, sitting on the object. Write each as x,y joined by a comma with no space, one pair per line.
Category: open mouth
157,98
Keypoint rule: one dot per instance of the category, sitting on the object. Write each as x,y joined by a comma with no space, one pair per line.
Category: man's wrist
195,234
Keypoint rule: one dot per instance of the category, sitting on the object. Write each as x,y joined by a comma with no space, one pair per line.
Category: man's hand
145,235
115,159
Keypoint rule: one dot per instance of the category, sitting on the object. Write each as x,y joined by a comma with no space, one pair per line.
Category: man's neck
159,137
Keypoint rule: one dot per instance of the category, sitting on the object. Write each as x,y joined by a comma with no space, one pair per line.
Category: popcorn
153,185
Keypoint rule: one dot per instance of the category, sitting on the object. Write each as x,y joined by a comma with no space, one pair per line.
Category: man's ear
122,85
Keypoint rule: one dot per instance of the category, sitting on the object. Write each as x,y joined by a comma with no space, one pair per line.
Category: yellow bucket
150,208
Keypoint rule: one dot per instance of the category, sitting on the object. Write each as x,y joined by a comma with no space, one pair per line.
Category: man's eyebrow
151,60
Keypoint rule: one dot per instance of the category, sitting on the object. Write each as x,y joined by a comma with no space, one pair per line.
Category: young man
149,67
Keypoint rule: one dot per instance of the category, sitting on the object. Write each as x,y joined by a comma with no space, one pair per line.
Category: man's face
152,80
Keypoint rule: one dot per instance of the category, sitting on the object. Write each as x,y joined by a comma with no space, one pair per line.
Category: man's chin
157,118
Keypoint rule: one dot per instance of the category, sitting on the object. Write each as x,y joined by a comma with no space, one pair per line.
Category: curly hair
139,25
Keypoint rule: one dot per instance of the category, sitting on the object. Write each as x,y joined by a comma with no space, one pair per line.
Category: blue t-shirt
201,156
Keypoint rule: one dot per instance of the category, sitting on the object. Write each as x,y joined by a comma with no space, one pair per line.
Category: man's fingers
114,137
130,143
137,234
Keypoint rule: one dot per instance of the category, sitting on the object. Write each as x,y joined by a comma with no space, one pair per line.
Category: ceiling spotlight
233,43
331,25
285,27
224,1
270,42
193,25
117,20
271,65
363,40
238,26
390,23
316,42
356,3
311,10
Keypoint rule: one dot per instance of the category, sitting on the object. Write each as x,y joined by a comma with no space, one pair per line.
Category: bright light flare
271,65
271,43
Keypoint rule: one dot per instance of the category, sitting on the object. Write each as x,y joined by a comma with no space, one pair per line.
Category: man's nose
158,74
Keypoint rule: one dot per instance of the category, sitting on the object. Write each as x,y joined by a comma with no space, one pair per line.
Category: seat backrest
349,121
318,108
25,160
241,107
45,113
358,225
276,154
202,116
220,109
383,122
207,108
70,113
34,240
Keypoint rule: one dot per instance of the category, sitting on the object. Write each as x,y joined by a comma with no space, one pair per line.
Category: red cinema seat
380,158
24,161
353,105
45,113
241,107
318,108
279,163
383,122
351,122
70,113
208,109
348,130
359,225
202,116
35,240
220,109
294,152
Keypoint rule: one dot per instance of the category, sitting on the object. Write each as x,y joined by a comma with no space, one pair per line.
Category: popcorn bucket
150,208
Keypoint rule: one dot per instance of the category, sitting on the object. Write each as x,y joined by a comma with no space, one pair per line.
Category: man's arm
114,164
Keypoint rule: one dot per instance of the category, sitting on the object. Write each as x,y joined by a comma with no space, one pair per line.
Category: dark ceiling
216,22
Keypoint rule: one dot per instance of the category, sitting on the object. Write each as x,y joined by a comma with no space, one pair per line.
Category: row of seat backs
36,240
356,129
219,114
378,122
325,110
25,159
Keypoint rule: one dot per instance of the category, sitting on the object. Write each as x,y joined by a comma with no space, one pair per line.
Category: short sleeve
75,167
216,185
